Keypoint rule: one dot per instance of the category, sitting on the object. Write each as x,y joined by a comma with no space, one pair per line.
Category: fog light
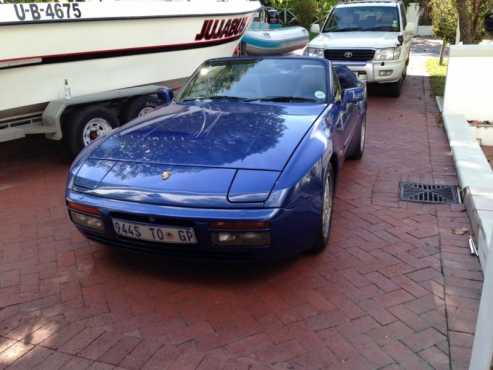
249,238
386,73
226,237
90,222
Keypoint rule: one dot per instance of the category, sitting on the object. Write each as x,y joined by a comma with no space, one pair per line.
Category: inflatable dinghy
266,36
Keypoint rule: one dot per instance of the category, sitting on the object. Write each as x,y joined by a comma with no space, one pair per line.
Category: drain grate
433,194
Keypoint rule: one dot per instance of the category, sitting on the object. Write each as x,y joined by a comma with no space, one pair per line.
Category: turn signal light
239,225
83,208
90,222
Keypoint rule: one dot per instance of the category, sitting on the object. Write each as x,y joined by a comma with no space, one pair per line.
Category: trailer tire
138,107
85,125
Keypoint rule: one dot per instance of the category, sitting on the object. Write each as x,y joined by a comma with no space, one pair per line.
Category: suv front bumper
376,72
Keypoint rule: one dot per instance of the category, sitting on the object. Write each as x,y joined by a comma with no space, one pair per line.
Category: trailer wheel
139,107
86,125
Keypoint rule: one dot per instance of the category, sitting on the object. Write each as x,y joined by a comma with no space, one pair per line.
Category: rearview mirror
353,95
166,95
315,28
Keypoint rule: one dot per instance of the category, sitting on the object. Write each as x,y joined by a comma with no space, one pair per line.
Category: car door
344,118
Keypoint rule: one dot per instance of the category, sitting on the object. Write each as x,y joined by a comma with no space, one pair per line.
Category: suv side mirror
315,28
166,95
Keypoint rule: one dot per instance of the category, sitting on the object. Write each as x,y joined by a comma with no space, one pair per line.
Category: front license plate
155,233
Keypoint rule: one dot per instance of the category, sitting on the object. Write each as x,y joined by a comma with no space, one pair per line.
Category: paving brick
382,282
142,353
76,363
54,362
405,357
80,341
424,339
14,352
120,350
390,332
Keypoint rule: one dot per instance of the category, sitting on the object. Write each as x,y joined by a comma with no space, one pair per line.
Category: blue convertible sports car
242,163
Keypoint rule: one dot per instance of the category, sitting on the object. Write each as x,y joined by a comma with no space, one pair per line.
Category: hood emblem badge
165,175
348,54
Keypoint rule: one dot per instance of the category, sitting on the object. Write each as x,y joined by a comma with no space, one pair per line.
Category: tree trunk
470,19
465,21
442,52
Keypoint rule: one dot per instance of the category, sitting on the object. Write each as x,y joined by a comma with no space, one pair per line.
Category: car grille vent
353,55
431,194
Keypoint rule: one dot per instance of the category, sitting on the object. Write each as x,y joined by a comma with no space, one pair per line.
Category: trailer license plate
155,233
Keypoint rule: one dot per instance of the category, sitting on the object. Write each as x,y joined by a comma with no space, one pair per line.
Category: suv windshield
275,80
363,18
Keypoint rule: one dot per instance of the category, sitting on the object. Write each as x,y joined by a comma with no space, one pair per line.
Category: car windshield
280,80
363,18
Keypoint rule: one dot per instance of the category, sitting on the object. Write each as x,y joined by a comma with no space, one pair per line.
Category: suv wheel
394,89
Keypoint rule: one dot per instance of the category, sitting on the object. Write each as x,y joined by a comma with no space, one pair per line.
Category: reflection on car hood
348,40
221,135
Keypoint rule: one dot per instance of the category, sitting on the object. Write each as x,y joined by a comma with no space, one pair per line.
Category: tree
305,11
324,7
471,14
444,15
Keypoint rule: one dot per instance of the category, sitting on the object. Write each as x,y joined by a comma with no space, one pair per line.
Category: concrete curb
475,178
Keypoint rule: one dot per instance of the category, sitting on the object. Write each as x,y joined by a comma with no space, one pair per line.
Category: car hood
240,136
348,40
218,155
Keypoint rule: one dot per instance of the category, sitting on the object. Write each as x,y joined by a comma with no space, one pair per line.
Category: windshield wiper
216,97
284,99
347,29
382,28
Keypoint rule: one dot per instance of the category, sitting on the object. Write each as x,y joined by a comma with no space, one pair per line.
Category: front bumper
376,72
289,236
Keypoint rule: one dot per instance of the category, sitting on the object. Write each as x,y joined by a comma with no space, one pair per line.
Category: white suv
372,38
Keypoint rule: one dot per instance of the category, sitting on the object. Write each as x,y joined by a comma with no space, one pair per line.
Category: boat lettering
214,29
49,11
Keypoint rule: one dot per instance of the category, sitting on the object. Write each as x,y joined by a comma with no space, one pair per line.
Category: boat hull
45,61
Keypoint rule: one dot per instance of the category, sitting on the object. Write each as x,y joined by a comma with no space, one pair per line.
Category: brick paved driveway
395,290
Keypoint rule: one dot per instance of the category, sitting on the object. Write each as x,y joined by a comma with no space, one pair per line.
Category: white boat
58,50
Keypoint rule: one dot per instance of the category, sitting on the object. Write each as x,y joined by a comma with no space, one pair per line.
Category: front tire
326,212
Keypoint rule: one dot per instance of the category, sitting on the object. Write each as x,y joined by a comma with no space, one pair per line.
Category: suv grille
359,55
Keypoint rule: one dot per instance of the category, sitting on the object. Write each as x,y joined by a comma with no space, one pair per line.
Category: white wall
425,31
469,87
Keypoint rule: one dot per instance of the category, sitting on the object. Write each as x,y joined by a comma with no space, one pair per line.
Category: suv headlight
388,54
314,52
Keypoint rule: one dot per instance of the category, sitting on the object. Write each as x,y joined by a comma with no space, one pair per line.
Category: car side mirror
353,95
315,28
411,28
166,95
